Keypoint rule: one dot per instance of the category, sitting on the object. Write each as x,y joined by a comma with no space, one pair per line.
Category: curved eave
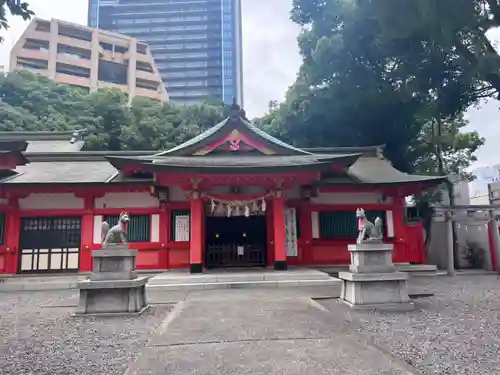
428,181
193,165
236,170
120,162
56,184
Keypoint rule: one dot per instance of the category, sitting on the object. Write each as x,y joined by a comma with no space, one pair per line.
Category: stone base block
371,258
112,297
113,314
115,262
372,291
404,307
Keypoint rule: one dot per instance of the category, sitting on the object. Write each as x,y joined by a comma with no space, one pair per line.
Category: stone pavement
257,332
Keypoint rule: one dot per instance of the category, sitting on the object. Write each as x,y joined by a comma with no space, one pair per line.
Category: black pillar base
280,265
195,268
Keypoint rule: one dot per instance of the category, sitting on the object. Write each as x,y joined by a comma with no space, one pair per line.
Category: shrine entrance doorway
236,241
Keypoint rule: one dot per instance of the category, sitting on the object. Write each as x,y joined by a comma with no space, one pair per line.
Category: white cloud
270,60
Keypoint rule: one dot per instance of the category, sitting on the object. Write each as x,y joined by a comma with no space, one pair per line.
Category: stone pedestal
373,282
114,287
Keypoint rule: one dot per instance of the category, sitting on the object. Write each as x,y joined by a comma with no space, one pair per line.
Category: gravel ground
38,336
457,331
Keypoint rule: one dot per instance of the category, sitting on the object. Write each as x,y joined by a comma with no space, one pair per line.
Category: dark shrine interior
236,230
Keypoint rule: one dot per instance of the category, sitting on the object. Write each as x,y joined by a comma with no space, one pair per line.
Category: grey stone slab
338,355
369,247
207,321
113,284
33,286
306,274
115,314
224,276
370,277
114,251
400,306
416,268
112,300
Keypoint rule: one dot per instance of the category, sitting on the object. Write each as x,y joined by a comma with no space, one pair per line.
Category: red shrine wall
314,250
163,251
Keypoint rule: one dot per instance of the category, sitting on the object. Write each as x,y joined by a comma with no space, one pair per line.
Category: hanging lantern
228,210
247,211
263,205
213,206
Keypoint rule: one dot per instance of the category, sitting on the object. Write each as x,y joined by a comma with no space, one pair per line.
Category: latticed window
2,228
297,222
176,226
138,228
412,214
343,224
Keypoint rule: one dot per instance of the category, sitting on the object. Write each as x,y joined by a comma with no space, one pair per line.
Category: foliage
371,76
456,146
34,103
16,8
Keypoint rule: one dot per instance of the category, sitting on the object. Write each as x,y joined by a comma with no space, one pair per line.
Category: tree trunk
449,184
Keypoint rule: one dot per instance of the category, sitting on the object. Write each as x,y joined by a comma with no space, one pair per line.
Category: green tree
364,80
16,8
32,102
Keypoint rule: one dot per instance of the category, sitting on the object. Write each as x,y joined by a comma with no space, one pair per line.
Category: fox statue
368,232
115,234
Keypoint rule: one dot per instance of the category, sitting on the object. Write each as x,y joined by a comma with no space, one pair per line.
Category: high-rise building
86,57
196,43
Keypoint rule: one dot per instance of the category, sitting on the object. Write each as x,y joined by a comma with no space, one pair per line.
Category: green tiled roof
235,120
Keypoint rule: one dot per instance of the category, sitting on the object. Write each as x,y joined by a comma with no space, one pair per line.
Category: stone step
330,288
244,285
417,269
412,269
35,284
176,278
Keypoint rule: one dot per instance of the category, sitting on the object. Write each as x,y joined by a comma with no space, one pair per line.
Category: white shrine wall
51,201
127,200
355,198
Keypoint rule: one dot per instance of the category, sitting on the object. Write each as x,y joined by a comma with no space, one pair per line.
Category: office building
196,44
480,191
92,58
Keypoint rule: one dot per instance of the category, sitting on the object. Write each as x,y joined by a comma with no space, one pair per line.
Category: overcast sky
270,60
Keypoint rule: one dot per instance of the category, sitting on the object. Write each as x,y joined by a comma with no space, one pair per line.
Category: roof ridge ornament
236,110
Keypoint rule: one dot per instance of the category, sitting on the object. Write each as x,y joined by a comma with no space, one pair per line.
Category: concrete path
256,332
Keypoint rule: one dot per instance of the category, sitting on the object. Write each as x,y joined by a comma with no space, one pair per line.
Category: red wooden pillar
87,235
164,233
279,233
305,232
492,242
12,236
196,231
400,249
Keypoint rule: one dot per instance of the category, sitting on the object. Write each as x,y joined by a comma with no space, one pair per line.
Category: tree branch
495,10
492,78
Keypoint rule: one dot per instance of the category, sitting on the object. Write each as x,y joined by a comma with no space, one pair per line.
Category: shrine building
233,196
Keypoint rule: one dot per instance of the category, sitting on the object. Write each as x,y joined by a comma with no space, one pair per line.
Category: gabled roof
236,121
68,168
234,164
47,141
